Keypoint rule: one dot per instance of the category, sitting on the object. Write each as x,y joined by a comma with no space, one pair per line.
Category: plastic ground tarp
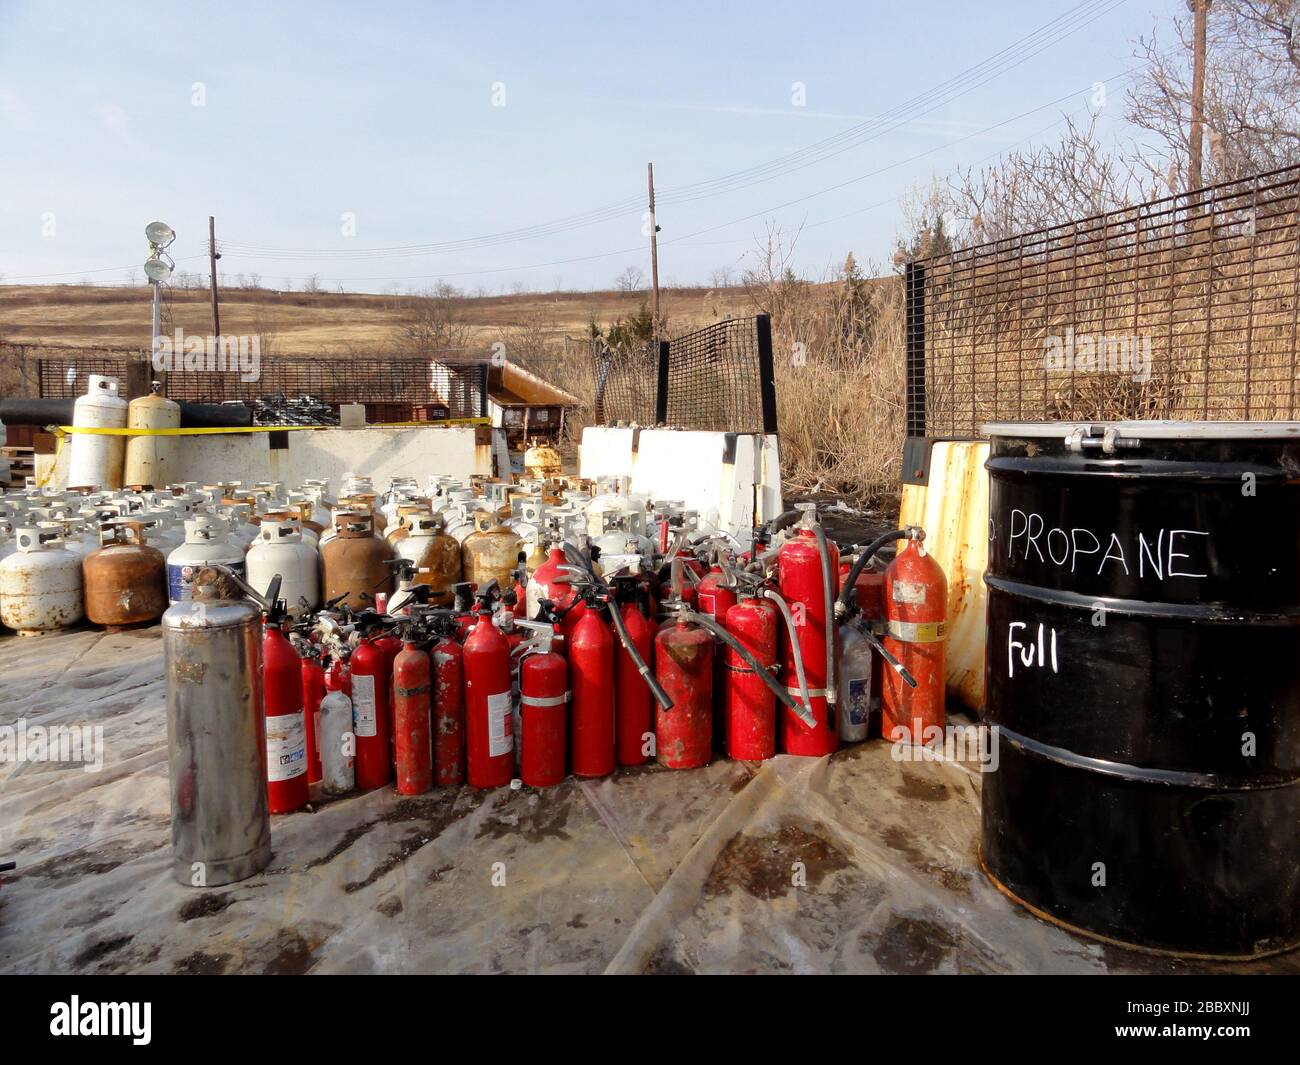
853,863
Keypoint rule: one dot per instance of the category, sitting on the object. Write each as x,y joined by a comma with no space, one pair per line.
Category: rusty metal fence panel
719,378
461,387
1184,307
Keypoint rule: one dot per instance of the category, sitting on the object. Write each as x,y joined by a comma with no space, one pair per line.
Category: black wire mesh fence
445,390
1184,307
627,382
719,378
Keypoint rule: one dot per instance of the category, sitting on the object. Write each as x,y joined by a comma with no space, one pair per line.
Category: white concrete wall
379,453
734,487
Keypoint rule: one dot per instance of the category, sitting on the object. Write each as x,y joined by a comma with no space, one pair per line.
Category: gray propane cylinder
216,738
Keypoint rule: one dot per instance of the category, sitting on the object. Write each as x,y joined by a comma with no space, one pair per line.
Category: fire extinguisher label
859,708
365,721
912,592
286,747
501,725
918,631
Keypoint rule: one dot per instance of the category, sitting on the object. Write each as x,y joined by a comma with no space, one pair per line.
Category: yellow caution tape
70,430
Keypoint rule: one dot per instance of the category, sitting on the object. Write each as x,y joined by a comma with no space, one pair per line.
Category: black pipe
846,593
44,412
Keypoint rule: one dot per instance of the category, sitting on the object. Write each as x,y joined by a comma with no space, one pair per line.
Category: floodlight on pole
158,268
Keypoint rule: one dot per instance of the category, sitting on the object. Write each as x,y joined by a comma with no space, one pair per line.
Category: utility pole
654,247
212,262
1194,151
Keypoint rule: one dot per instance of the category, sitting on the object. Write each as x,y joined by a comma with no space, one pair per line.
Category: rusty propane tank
125,579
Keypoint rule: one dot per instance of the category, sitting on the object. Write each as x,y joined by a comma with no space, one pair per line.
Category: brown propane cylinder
491,550
125,579
356,561
436,555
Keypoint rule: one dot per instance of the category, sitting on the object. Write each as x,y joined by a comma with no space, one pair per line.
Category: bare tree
312,284
1252,91
630,280
436,322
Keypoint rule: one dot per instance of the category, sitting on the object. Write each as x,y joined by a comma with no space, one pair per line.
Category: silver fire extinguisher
221,831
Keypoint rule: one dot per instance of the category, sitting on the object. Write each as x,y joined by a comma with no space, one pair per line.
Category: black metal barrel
1143,672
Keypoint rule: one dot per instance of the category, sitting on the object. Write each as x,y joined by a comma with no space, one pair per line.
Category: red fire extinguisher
747,703
916,605
633,702
286,734
684,668
591,677
714,595
313,691
808,573
489,723
411,716
448,704
543,699
371,714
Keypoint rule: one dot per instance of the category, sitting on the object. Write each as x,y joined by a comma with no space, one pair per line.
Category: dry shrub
840,395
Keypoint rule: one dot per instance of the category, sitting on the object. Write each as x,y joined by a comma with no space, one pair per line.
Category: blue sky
421,124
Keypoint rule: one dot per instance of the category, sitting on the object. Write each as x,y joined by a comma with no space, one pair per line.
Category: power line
1012,55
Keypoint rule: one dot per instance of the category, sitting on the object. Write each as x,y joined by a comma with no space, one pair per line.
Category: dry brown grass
840,403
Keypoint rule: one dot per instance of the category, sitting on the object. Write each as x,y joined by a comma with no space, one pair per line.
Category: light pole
158,268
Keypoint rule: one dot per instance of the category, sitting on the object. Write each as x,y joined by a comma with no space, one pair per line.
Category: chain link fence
1184,307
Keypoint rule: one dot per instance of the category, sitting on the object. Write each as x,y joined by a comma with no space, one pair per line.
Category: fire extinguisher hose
828,578
704,621
885,653
846,593
656,689
795,649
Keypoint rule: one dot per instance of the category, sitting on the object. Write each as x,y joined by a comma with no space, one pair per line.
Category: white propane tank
96,461
40,585
151,459
206,542
279,549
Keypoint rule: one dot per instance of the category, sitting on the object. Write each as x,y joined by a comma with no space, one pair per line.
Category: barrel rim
1155,429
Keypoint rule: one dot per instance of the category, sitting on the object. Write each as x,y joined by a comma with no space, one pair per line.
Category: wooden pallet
22,464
